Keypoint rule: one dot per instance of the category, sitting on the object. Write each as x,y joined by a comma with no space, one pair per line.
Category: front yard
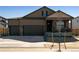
12,43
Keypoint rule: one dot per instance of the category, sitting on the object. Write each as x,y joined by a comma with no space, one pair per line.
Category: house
75,25
3,26
39,22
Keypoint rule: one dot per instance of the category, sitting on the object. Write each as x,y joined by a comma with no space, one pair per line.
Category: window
45,13
42,13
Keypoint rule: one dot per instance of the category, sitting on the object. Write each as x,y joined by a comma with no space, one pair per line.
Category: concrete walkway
23,41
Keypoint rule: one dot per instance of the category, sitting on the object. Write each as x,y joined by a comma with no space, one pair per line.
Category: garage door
14,30
33,30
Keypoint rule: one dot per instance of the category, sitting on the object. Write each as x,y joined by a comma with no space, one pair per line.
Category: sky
20,11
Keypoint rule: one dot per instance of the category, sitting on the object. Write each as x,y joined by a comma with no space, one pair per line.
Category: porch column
66,24
71,25
53,25
21,30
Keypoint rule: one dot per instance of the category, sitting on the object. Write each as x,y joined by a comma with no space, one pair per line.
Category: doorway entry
49,25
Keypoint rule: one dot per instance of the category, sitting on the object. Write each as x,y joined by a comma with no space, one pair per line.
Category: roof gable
59,14
38,13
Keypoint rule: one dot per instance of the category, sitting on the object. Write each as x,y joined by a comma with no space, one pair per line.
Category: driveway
18,43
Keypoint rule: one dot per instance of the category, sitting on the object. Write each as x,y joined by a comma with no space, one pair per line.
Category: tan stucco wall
32,22
12,22
27,22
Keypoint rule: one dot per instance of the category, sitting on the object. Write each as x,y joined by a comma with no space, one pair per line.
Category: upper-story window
44,13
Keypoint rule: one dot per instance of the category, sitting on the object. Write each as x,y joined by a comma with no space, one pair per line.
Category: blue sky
19,11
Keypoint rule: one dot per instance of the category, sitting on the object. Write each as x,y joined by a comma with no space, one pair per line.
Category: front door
49,25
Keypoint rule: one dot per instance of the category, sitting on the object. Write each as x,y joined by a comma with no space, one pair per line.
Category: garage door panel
32,30
14,30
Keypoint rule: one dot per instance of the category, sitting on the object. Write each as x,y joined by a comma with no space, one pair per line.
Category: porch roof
59,15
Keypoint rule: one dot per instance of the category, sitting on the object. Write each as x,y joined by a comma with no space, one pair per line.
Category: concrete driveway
17,43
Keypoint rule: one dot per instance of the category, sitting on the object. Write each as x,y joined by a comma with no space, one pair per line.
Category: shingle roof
59,14
44,7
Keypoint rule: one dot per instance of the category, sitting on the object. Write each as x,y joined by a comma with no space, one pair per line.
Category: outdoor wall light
69,21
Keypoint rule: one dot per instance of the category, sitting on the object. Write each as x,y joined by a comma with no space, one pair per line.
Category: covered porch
59,27
59,21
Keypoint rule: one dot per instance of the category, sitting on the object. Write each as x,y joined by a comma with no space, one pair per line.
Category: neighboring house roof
59,14
2,22
2,19
77,17
32,14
